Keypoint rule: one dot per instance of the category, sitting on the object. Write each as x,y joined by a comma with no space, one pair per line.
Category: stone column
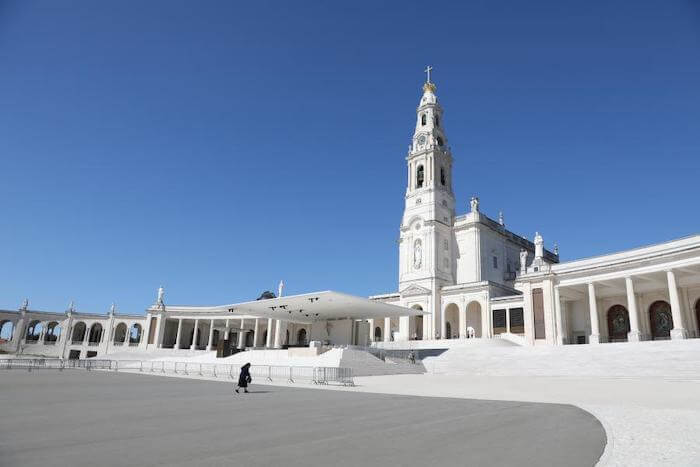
158,337
268,344
279,337
179,333
241,336
127,335
634,335
211,334
593,308
371,330
679,331
256,332
557,317
443,324
508,320
387,329
463,321
227,331
195,335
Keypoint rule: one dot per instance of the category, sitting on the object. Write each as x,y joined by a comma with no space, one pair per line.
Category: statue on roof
474,203
161,296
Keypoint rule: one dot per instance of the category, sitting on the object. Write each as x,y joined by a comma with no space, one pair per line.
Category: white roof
307,308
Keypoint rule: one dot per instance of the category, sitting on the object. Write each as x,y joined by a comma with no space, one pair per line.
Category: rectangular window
495,262
499,321
538,313
517,322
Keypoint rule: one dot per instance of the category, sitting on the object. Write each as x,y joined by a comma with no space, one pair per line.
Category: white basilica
460,277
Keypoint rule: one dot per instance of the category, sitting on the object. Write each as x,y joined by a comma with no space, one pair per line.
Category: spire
429,86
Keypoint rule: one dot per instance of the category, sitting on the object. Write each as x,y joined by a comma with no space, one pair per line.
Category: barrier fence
292,374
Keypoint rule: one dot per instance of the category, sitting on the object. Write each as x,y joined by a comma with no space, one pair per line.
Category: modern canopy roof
307,308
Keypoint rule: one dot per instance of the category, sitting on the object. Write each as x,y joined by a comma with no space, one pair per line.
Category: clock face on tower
421,140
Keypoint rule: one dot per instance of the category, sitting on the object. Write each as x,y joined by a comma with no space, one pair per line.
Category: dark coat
244,378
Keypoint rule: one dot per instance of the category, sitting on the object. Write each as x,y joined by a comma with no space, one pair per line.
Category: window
440,141
517,321
495,262
442,174
437,121
499,321
420,176
422,120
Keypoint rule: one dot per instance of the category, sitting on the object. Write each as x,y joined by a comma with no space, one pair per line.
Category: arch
34,331
423,120
443,178
95,336
78,332
451,320
437,121
7,328
420,176
440,142
661,320
119,333
474,318
377,334
53,332
618,323
301,337
135,334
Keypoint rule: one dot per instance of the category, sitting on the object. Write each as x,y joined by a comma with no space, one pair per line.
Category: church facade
460,276
473,277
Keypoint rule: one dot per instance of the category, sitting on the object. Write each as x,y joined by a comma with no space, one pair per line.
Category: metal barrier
53,364
270,373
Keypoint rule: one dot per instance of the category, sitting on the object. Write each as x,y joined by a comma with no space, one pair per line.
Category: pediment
414,289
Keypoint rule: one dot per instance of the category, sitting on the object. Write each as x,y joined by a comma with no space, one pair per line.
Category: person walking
244,378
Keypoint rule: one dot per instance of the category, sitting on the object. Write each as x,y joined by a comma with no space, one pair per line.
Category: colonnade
275,332
635,334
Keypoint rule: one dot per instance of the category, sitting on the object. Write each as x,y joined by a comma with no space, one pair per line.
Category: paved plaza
77,418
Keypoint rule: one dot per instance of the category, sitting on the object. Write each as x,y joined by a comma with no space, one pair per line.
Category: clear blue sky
217,147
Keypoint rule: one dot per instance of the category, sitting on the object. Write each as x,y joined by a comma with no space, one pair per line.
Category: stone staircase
658,359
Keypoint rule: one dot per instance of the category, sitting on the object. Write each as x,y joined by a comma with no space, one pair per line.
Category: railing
52,364
270,373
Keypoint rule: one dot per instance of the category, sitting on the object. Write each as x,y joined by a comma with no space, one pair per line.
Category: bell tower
426,242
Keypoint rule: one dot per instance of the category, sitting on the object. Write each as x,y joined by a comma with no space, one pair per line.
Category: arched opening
119,334
95,336
6,330
423,120
135,334
440,141
618,323
474,318
443,179
378,334
416,325
78,333
420,176
53,332
661,320
301,337
34,331
437,121
451,321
